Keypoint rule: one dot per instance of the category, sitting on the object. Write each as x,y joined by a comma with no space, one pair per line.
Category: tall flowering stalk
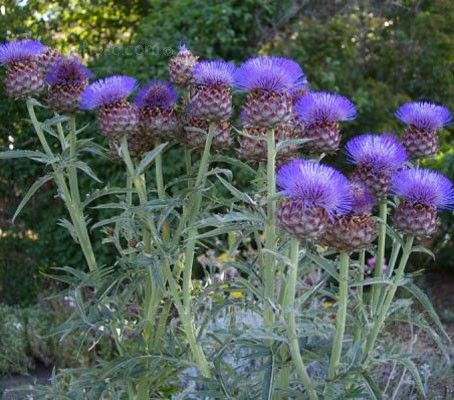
210,107
268,82
158,119
313,193
422,193
423,121
376,159
27,63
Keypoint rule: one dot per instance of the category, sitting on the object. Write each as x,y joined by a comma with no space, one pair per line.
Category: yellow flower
236,295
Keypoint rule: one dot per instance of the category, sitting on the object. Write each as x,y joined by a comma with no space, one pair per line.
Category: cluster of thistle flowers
323,205
320,203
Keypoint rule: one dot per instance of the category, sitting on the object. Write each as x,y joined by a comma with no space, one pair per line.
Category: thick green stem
380,258
70,195
188,163
161,191
270,228
289,313
383,311
195,202
139,185
341,317
360,291
187,322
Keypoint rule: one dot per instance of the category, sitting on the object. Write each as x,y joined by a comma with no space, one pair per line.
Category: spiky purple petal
156,94
19,50
107,91
424,115
323,107
425,187
214,73
378,152
68,71
271,74
317,185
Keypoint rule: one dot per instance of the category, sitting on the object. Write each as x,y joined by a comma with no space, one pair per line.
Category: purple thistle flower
20,50
107,91
361,197
269,74
425,187
156,94
68,71
424,115
323,107
316,186
214,73
377,152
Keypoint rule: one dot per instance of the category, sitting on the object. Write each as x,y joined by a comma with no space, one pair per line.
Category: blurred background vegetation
380,54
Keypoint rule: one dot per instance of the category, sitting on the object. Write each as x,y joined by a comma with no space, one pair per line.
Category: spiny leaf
33,189
237,193
84,167
149,157
292,142
427,306
422,249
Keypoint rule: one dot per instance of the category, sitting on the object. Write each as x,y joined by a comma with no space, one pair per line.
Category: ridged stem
71,201
270,228
383,311
195,202
360,290
289,314
161,190
341,316
380,258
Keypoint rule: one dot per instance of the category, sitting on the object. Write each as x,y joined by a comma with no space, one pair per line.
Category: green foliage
13,343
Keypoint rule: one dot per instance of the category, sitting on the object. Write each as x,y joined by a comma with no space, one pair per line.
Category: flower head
378,152
107,91
269,74
156,94
317,185
323,107
361,198
20,50
68,71
424,115
424,187
214,73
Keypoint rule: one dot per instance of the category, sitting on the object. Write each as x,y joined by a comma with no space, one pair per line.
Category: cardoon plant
181,66
356,229
211,102
313,193
67,79
116,116
422,192
156,104
268,82
24,76
423,121
321,112
376,159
